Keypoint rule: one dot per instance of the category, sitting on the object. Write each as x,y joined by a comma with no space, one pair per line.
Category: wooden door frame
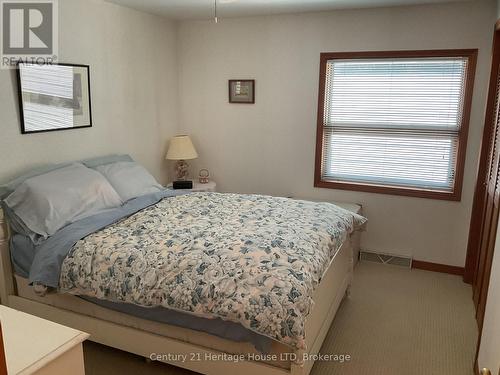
478,207
476,227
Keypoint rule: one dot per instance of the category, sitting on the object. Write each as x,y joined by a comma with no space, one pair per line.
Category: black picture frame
24,130
249,99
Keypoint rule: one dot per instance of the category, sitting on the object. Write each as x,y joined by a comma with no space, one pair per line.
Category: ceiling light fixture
216,19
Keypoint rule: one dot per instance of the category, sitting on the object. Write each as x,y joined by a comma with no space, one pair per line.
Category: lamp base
182,185
181,170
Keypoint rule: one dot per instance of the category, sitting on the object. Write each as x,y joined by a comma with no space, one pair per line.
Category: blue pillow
52,200
129,179
16,224
12,185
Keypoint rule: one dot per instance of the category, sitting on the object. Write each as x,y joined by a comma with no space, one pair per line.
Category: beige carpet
396,321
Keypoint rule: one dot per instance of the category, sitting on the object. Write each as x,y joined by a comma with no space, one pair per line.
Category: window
394,122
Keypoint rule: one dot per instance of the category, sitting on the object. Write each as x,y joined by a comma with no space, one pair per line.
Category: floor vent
396,260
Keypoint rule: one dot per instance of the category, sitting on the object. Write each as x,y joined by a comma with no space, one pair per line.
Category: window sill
391,190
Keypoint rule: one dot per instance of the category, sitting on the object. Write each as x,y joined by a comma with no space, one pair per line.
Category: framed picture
54,97
242,91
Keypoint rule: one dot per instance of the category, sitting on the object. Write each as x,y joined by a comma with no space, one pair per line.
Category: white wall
489,352
269,147
132,57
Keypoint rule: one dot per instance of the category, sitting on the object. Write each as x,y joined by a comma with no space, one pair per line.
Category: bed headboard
6,276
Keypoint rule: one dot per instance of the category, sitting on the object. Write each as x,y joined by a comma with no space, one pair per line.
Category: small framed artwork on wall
242,91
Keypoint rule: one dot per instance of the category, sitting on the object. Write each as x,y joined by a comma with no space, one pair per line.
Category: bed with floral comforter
255,260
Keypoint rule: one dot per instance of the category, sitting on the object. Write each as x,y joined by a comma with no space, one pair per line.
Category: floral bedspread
250,259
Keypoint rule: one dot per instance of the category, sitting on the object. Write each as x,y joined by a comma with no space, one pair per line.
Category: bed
291,346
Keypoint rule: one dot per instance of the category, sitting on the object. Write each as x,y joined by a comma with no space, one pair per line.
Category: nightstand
37,346
197,187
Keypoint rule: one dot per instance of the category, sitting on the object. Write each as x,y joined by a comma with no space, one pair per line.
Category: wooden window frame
456,193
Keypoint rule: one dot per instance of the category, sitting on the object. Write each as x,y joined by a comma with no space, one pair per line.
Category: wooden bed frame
327,297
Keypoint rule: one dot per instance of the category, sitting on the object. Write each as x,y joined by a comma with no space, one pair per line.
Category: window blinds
393,122
48,96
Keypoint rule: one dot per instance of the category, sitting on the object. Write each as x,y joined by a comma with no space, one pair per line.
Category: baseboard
437,267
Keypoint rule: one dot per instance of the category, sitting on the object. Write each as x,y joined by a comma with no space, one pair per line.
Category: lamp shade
181,148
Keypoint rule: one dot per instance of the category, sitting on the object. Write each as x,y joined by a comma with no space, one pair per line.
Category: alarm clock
203,176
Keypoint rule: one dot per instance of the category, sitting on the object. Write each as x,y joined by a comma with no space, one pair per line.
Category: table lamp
181,149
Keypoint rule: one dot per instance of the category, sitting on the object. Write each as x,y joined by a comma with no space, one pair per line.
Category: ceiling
203,9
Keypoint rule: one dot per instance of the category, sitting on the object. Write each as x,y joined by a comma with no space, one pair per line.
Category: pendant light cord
215,12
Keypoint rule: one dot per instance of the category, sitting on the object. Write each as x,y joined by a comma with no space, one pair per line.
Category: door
491,201
486,206
485,211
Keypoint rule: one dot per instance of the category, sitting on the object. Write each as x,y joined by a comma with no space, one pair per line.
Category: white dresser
38,346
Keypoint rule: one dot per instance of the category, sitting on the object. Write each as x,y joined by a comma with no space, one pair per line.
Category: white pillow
48,202
130,180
